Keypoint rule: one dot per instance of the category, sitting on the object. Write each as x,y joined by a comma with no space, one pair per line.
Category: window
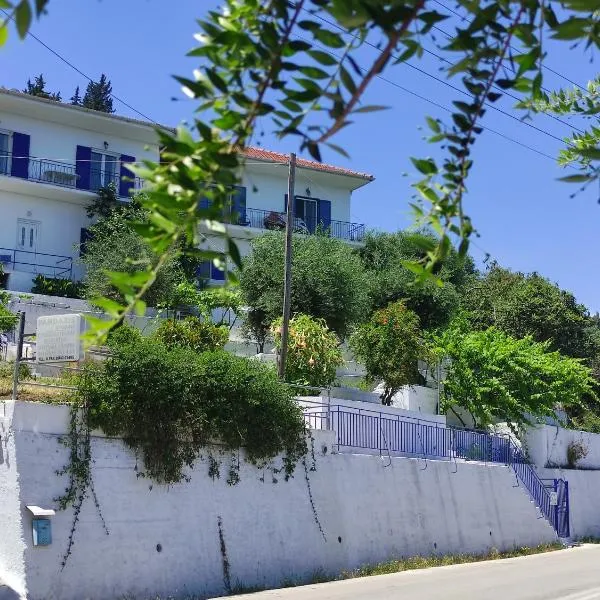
5,149
27,235
104,170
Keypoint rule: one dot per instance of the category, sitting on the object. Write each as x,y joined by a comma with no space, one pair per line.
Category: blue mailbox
41,525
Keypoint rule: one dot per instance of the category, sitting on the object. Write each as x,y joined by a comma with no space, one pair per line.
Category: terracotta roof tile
270,156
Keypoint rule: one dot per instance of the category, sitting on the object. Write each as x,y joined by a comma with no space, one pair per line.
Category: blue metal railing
62,174
41,263
274,220
387,433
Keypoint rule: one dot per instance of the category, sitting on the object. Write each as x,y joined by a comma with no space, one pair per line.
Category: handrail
58,269
364,428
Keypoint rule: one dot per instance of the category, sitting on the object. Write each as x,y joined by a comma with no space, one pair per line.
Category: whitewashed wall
547,446
584,492
370,510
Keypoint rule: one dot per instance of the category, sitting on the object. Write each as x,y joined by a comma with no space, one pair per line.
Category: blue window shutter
20,152
216,274
203,203
239,203
82,167
294,208
324,214
203,270
126,176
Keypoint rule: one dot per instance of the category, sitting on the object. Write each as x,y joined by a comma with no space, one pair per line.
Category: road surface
571,574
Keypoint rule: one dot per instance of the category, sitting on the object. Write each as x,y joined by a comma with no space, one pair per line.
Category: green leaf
370,108
314,72
234,252
347,80
337,149
576,178
23,18
323,58
426,166
3,32
433,125
572,29
591,153
329,38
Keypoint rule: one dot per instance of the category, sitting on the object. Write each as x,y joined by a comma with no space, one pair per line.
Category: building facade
54,157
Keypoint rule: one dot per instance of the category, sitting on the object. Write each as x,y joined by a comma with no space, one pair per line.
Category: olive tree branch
376,68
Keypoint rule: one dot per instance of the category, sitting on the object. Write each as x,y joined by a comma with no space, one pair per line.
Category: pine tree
76,98
38,88
98,95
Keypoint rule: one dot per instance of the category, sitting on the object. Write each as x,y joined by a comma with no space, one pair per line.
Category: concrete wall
547,446
165,540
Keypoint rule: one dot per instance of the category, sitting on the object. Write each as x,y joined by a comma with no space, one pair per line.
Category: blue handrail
370,429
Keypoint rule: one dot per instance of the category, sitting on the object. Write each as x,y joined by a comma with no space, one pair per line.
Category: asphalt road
572,574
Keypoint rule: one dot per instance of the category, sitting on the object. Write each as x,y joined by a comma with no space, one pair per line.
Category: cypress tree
98,95
38,88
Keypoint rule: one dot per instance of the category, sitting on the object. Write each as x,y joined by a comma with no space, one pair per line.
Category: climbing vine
79,471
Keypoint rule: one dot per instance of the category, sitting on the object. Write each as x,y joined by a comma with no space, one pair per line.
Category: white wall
266,187
370,510
547,446
584,492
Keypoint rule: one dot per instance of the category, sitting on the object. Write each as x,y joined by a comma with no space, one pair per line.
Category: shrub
56,286
170,403
7,319
192,333
575,452
390,346
313,351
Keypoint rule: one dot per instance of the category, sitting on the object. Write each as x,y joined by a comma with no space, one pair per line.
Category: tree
328,282
389,280
264,60
522,305
38,88
390,346
76,98
113,246
313,351
98,95
496,377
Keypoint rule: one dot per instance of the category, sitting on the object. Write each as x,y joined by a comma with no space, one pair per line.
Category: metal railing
274,220
366,429
41,263
42,170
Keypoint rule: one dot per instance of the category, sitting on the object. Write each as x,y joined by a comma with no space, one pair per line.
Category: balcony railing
62,174
52,265
275,221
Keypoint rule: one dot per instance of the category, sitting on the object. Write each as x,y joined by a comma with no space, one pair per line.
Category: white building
54,157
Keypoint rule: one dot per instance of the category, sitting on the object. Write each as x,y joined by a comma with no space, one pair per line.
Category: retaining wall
181,539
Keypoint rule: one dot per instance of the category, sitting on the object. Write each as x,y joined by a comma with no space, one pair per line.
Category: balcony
275,221
51,265
62,174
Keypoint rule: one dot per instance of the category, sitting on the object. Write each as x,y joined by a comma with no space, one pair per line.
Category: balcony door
28,233
103,170
306,209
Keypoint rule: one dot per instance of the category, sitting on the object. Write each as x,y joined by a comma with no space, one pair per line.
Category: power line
462,17
457,89
59,56
449,110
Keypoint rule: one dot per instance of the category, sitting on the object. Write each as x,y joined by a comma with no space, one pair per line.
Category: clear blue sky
524,215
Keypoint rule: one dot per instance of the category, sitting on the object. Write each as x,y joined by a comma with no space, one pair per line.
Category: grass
35,393
406,564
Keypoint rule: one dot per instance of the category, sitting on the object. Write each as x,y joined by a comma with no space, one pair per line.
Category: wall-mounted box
41,525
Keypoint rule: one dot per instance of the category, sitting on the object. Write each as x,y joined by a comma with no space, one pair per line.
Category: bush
192,333
55,286
390,346
170,403
313,351
7,319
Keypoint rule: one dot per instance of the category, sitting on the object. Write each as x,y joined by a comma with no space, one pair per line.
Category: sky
526,219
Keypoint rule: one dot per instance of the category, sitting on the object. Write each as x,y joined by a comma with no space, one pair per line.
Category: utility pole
287,286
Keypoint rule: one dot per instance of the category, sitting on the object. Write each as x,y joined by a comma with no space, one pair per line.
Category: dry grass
37,393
